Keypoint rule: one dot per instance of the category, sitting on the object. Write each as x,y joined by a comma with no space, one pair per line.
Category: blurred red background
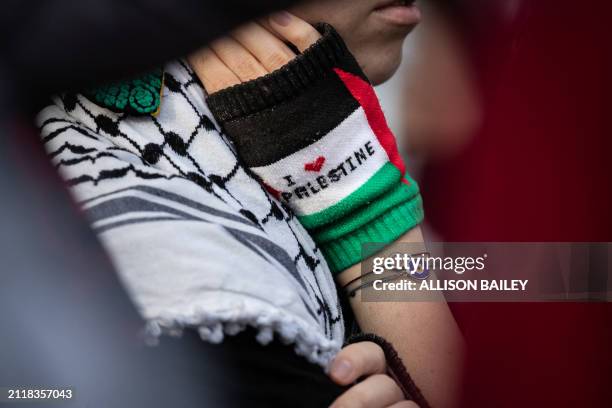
536,168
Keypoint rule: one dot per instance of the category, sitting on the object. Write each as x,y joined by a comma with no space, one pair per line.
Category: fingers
238,59
357,360
252,51
269,50
377,391
293,29
213,73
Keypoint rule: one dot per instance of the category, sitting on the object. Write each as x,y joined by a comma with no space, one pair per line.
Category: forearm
424,333
318,140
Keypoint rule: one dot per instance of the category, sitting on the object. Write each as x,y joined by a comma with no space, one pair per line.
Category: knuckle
371,358
393,390
386,381
359,363
377,357
245,67
214,83
225,84
216,86
301,37
379,354
355,399
277,59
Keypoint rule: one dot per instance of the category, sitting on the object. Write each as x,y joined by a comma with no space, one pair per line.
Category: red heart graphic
315,165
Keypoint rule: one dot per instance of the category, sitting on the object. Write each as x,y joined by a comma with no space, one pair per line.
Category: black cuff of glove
314,64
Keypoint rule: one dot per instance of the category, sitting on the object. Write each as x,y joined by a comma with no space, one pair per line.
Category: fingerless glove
314,133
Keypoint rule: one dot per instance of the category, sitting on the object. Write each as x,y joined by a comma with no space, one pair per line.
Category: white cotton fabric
197,241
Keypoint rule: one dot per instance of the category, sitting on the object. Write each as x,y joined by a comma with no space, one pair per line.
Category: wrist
314,133
302,73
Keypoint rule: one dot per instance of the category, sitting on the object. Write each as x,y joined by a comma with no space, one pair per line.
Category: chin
383,73
380,67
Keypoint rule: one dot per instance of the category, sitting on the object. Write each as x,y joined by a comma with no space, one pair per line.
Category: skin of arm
425,335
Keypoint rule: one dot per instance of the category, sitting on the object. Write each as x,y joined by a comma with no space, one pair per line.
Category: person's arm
312,130
424,333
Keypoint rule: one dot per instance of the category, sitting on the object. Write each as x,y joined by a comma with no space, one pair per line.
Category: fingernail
282,18
341,370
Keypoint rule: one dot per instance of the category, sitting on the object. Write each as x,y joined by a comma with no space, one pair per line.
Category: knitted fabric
314,133
194,236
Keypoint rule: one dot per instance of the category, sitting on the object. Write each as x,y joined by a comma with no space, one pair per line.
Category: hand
252,51
377,390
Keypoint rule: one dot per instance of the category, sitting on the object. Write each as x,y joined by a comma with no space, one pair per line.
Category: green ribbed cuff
367,213
346,250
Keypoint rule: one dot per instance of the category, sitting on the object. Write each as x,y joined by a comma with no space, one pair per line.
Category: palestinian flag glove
315,134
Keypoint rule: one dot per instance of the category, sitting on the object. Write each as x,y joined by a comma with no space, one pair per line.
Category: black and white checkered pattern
195,236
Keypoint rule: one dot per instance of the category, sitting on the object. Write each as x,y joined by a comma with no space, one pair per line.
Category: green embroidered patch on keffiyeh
140,95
